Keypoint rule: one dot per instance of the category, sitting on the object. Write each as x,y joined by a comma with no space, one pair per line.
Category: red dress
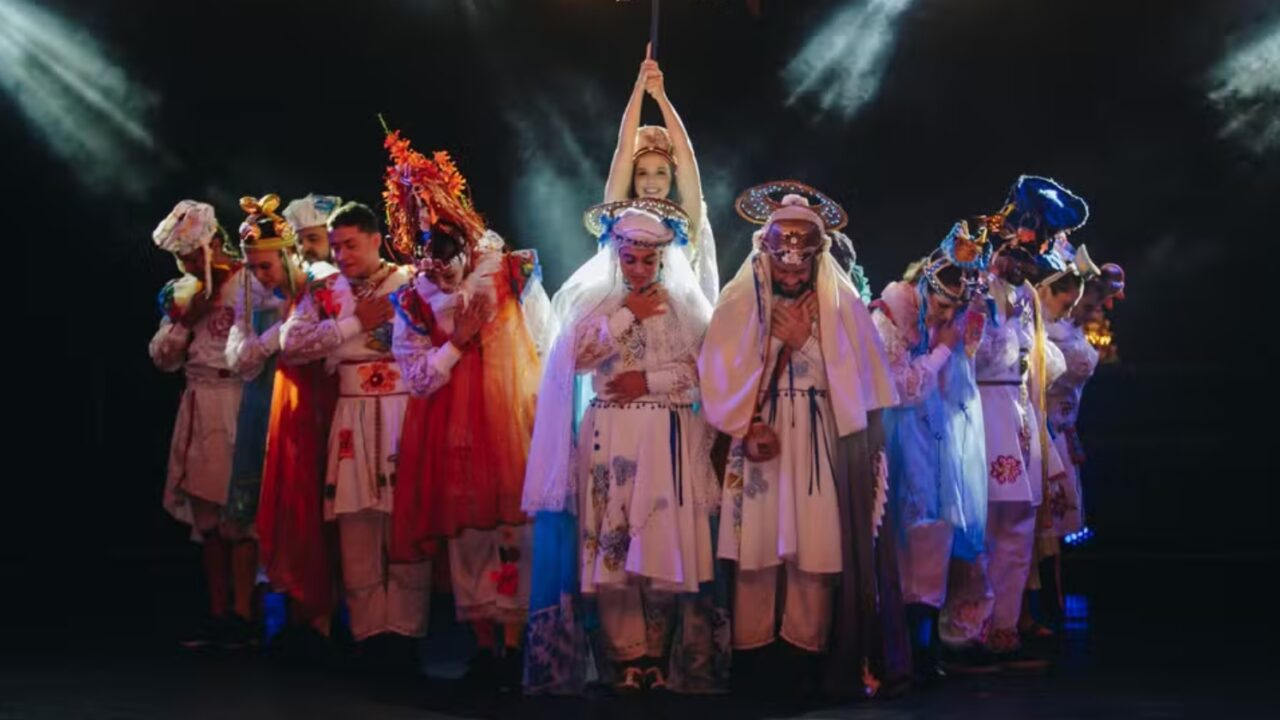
463,449
295,543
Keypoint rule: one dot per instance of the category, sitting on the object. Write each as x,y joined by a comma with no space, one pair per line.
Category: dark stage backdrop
910,113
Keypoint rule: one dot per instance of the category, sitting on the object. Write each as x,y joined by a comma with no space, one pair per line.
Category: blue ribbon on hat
677,227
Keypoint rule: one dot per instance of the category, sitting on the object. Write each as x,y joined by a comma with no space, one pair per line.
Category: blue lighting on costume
1075,612
274,613
1078,538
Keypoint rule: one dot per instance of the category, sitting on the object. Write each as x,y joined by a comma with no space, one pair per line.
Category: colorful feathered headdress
422,195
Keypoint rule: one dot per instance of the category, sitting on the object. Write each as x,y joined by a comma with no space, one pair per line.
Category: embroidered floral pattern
346,445
379,339
614,544
1006,469
631,344
756,484
624,470
378,378
326,303
507,579
220,322
970,618
555,646
599,487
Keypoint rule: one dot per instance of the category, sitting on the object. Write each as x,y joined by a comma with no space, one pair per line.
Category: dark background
240,97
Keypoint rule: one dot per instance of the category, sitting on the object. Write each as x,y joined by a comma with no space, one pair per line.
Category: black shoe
799,669
204,634
402,656
1023,659
922,621
510,670
748,677
928,672
654,679
237,633
970,660
301,646
483,671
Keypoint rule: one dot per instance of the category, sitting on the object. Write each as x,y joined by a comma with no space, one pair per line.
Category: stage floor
1148,638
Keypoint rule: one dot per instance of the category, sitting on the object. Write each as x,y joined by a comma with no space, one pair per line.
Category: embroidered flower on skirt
615,544
1006,469
599,487
507,578
624,470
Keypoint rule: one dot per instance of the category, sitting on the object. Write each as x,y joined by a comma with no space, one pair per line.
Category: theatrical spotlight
840,66
1246,91
81,103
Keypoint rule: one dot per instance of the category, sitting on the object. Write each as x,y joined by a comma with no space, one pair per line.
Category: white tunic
643,468
1080,360
365,437
1015,457
786,509
204,431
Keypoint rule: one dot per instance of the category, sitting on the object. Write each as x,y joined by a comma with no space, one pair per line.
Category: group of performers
648,480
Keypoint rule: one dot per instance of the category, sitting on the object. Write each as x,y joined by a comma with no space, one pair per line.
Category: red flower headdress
421,195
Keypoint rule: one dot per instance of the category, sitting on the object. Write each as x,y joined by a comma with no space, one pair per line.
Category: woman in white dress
639,476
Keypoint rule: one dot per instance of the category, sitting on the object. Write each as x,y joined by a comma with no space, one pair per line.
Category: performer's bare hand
792,324
373,312
468,320
949,335
646,302
653,83
647,67
627,386
975,324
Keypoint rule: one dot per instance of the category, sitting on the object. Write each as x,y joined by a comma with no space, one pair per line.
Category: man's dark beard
791,294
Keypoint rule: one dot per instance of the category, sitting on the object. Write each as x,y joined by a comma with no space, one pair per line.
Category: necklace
363,289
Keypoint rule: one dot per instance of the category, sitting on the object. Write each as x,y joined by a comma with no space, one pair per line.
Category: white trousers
806,608
923,561
636,619
489,571
986,595
382,597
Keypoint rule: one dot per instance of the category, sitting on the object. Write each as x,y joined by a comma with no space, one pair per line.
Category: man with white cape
793,369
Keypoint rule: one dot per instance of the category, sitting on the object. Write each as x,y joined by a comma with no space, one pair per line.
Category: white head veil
595,290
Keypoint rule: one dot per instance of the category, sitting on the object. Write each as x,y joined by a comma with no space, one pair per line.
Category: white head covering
796,207
735,352
594,290
640,229
190,226
311,210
